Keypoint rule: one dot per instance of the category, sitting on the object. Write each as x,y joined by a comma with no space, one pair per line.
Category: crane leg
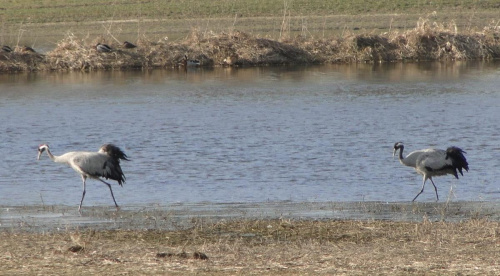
83,195
421,191
435,189
111,190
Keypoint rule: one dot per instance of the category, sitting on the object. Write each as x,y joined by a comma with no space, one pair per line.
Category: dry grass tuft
439,42
249,50
75,54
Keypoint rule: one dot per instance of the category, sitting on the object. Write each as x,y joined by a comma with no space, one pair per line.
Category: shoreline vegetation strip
426,42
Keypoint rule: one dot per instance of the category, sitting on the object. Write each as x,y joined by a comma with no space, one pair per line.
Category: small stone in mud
184,255
163,255
200,256
75,248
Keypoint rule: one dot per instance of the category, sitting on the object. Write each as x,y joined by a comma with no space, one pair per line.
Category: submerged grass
429,41
257,246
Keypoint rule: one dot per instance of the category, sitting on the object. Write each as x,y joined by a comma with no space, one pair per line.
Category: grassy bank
29,11
253,33
261,247
44,23
428,41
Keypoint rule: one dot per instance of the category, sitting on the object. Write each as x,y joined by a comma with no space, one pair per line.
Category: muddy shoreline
270,238
181,216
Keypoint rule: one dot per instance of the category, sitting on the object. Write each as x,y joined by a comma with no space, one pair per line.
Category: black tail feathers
458,160
112,170
114,152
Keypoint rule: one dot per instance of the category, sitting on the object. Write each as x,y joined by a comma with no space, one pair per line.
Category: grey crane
433,162
104,163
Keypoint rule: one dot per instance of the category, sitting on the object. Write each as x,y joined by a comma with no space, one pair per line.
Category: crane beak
394,153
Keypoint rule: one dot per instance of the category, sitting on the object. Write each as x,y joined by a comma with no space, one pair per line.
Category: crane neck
401,153
51,156
410,162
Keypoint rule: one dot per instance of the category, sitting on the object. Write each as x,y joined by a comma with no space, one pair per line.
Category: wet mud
183,216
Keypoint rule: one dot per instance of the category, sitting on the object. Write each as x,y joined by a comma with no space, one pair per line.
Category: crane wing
435,161
111,169
96,164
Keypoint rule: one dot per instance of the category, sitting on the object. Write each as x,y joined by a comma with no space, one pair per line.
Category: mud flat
180,216
271,238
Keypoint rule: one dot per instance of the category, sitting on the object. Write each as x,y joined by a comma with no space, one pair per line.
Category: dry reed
427,42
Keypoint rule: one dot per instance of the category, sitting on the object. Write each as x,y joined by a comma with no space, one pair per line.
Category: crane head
41,149
397,146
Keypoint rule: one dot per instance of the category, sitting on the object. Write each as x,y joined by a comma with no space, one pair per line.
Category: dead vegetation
427,42
269,247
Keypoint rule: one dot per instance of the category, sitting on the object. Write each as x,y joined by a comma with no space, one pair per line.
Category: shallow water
179,216
307,134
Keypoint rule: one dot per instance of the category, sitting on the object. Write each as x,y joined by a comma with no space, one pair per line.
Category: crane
433,162
104,163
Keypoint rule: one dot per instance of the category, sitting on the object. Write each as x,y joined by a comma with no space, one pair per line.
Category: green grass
42,24
44,11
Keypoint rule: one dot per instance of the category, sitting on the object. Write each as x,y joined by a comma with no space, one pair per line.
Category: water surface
308,134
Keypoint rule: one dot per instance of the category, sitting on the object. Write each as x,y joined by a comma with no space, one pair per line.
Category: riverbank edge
428,41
